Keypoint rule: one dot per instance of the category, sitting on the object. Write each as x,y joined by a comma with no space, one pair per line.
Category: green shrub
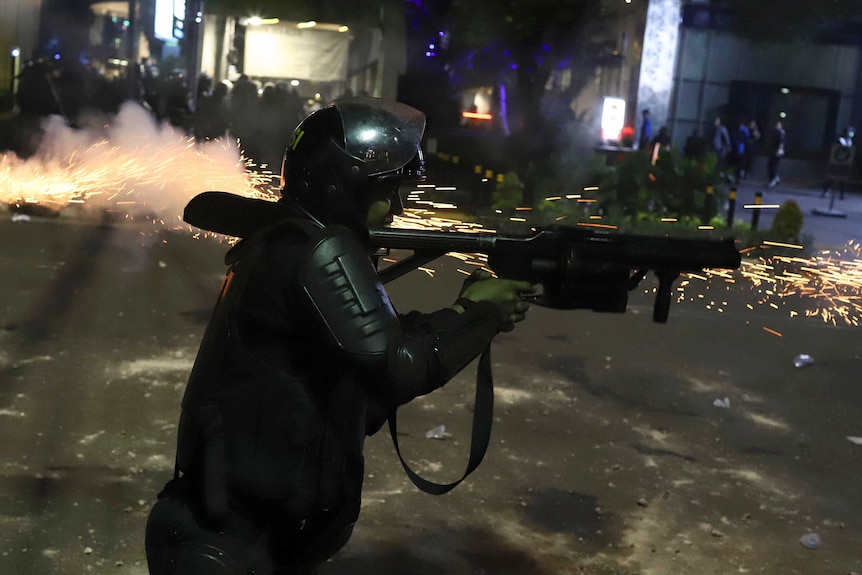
787,225
631,192
674,186
509,194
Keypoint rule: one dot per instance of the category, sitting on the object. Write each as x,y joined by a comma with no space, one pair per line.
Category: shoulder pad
283,226
344,290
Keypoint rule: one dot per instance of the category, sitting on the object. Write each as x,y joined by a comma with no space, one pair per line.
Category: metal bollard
476,186
488,182
755,216
445,172
709,205
731,206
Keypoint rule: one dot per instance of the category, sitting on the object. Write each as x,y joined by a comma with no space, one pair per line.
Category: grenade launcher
575,267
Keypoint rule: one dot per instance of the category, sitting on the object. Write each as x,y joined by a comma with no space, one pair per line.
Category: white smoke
127,163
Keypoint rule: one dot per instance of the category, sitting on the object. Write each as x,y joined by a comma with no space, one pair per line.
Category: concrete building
678,59
694,70
327,58
19,28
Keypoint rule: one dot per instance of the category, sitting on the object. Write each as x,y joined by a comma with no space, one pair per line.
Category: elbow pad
424,359
344,292
471,332
341,285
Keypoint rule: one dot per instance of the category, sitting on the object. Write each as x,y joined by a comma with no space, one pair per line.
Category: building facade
813,88
19,28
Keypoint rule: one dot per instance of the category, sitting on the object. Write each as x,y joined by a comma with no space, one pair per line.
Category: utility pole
192,46
132,69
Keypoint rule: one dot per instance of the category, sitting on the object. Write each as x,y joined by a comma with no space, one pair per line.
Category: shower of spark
827,285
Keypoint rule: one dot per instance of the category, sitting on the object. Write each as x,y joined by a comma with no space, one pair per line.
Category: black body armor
303,340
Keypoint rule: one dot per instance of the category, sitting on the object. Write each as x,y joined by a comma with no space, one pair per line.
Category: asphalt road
828,222
609,454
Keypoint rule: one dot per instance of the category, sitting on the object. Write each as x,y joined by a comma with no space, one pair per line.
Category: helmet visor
383,134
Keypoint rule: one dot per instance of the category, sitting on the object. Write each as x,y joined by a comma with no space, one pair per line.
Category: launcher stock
577,268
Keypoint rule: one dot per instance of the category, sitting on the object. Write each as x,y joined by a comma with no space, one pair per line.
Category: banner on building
285,51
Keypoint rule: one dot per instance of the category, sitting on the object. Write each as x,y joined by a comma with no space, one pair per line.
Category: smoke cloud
127,163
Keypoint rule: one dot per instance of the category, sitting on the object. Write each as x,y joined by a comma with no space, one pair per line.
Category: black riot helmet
341,157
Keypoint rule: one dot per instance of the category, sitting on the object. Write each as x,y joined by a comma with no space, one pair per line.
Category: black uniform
303,357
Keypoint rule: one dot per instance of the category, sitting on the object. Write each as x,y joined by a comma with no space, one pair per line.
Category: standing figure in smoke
778,137
646,130
304,356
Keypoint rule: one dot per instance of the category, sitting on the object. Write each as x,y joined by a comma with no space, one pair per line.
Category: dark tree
64,28
519,44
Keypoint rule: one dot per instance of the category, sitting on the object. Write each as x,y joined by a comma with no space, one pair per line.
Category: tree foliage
674,186
509,194
531,38
787,224
518,45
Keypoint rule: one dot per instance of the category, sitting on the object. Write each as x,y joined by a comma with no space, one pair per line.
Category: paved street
829,222
620,446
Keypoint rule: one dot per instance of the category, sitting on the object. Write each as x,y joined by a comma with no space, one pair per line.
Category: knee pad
178,544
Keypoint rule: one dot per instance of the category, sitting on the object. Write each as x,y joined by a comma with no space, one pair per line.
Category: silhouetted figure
663,139
740,146
721,143
846,137
175,102
776,152
243,112
37,92
751,148
646,130
211,116
695,146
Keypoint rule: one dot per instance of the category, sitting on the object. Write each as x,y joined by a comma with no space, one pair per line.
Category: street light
258,21
15,55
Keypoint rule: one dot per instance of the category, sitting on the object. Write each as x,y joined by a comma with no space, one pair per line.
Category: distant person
294,103
721,143
662,139
776,148
175,102
751,147
312,105
244,102
846,138
646,131
695,146
211,115
740,148
37,91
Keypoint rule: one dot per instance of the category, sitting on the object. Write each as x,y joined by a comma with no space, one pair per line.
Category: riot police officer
304,356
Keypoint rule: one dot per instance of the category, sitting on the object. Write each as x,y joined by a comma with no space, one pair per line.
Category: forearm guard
468,336
399,359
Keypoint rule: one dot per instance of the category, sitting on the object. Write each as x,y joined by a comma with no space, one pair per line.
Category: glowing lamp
613,119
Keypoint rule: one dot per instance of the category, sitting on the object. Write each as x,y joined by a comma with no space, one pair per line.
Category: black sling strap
483,417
